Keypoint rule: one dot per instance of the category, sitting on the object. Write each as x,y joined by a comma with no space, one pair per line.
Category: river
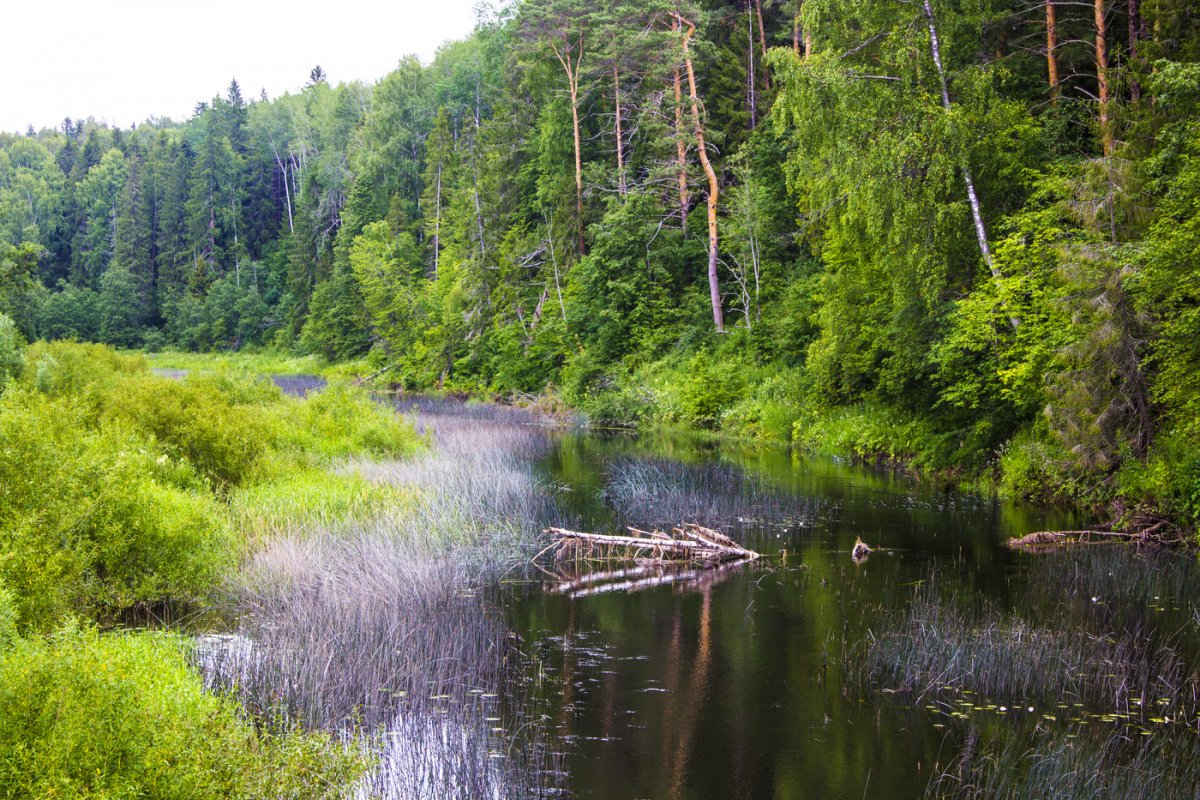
945,662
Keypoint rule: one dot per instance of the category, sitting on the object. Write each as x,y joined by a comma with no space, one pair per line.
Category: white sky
126,60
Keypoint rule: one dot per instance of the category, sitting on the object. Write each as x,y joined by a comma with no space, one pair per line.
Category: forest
956,234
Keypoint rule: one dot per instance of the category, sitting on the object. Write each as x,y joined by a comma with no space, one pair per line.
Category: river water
945,662
745,685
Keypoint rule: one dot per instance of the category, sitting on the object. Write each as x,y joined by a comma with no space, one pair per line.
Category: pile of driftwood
688,543
690,556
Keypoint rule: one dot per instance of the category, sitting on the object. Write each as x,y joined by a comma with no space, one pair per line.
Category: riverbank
128,495
721,397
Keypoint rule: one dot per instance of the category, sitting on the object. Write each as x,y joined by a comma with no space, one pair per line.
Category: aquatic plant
385,624
939,646
655,491
1011,764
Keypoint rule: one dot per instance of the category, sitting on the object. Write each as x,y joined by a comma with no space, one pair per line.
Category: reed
388,626
661,491
939,646
1010,764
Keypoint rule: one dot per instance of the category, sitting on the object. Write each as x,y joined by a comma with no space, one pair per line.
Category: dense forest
958,233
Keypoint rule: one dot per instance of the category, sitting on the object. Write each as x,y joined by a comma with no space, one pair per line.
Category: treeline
959,233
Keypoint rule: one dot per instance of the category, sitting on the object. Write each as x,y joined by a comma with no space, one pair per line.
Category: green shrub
194,420
60,368
340,421
12,350
770,412
126,716
867,432
1028,465
93,519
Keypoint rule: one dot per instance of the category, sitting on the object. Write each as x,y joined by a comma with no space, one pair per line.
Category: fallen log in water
1158,534
689,543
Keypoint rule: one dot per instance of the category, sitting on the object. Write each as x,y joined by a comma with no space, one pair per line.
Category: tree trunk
1135,34
1051,49
571,68
437,222
981,236
751,97
620,138
1107,140
762,40
714,187
681,148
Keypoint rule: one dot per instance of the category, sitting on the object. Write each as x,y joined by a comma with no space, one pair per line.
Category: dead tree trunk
680,147
570,63
1052,49
751,94
714,186
620,137
1107,140
762,40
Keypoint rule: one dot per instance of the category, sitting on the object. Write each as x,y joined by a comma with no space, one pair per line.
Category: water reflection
744,686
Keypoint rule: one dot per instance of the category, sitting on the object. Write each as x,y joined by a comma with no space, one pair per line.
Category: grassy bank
730,392
124,490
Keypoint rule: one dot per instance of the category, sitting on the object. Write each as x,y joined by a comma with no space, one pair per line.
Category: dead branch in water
1159,534
688,543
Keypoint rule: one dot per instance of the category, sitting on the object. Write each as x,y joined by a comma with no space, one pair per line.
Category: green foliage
65,368
192,419
12,351
125,715
867,432
94,519
341,421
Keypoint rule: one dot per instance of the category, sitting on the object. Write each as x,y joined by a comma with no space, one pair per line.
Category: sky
124,61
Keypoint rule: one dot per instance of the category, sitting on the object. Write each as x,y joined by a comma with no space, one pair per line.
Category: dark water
738,687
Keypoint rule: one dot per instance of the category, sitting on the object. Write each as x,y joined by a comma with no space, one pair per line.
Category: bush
94,519
193,419
12,350
125,715
60,368
867,432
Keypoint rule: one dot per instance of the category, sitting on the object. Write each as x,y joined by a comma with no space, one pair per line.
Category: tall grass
387,623
1007,764
662,491
941,646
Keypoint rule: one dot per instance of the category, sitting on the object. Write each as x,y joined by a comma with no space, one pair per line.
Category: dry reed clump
384,624
658,491
938,647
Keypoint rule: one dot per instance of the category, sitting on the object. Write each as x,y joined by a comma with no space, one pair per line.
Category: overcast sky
126,60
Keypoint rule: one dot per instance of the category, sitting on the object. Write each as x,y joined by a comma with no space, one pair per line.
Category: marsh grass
385,624
657,491
1009,764
939,646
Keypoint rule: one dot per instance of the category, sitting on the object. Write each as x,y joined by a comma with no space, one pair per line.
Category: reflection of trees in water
691,702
